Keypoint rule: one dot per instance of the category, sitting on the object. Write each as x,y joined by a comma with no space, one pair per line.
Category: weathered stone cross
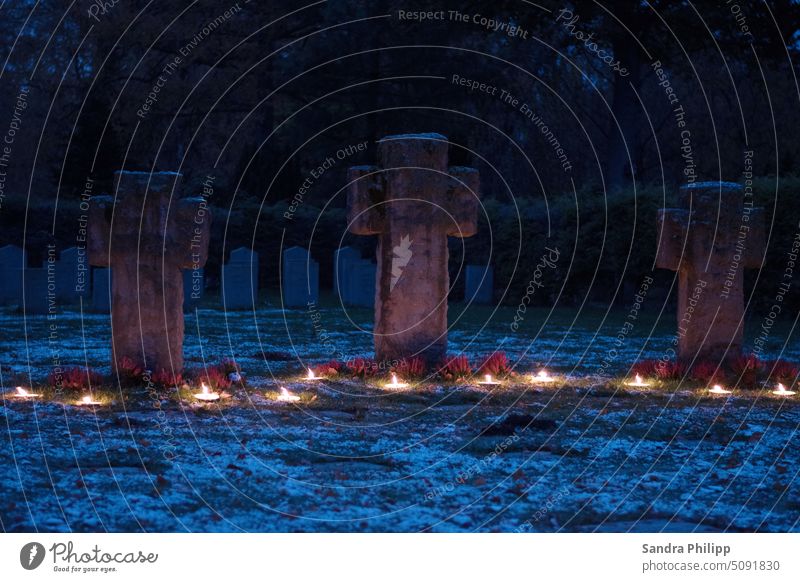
147,237
710,241
413,202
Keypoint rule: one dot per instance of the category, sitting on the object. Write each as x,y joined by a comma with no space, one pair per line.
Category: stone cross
413,202
709,241
147,236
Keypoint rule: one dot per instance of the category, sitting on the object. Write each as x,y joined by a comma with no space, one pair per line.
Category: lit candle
780,390
88,401
395,384
206,395
637,382
23,394
717,389
286,396
543,376
488,381
311,377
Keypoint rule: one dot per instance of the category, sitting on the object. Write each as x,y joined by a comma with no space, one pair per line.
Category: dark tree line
265,91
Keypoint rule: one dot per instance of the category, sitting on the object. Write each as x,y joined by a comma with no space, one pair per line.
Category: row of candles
23,394
541,377
205,394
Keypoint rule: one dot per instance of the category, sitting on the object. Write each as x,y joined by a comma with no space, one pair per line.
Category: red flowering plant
214,377
165,379
670,369
74,378
129,372
413,368
328,369
495,364
645,368
746,369
782,371
362,367
453,368
708,372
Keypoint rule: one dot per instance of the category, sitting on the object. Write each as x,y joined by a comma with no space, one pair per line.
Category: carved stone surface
413,202
710,241
147,235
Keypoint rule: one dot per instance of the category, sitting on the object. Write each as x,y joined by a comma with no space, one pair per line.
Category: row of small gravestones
69,279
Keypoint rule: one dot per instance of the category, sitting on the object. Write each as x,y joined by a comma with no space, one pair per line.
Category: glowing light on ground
24,394
311,377
717,389
638,382
542,377
206,395
286,396
395,384
88,401
488,381
780,390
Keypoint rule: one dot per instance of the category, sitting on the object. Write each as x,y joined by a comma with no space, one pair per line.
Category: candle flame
21,391
488,380
286,396
206,393
637,381
543,376
86,399
395,383
781,390
311,374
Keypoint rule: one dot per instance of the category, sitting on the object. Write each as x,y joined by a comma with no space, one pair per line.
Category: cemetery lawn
585,454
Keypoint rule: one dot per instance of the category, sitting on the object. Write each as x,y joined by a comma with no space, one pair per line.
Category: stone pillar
413,202
147,235
710,241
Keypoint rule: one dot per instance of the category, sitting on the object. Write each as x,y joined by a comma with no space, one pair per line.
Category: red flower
454,367
495,364
331,368
128,370
166,379
410,368
782,370
745,363
362,367
74,378
670,370
215,377
707,371
645,368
